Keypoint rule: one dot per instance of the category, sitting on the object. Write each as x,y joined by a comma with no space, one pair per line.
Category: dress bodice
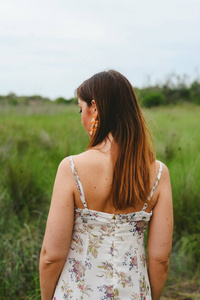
106,259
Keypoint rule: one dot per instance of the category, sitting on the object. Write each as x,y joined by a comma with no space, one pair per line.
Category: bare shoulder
64,173
88,164
64,166
90,159
165,177
164,187
88,154
164,167
155,169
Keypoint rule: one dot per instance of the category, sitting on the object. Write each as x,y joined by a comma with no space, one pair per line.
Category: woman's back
95,169
106,259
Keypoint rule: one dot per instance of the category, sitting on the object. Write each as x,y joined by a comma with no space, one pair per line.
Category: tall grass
176,130
33,140
32,143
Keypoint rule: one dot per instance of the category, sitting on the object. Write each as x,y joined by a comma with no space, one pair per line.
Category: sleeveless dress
106,259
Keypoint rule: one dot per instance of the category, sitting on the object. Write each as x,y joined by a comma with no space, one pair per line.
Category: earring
94,125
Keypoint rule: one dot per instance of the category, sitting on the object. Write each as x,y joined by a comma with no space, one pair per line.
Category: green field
34,139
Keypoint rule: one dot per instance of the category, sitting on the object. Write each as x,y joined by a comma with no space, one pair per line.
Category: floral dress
106,259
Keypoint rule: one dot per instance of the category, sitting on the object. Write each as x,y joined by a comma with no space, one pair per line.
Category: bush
154,99
12,99
195,92
61,100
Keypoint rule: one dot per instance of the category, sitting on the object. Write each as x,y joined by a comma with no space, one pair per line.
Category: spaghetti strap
78,182
154,187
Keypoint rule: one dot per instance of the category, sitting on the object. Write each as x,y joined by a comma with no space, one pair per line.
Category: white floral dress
106,259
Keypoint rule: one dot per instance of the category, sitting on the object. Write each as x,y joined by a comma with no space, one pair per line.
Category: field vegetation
175,89
35,137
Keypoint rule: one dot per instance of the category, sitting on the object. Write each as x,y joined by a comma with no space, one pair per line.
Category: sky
49,47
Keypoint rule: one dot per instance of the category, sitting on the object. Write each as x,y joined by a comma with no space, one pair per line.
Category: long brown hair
119,114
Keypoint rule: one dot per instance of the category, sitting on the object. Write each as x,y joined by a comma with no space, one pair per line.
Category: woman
102,202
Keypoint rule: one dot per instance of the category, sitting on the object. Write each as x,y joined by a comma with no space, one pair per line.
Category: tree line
173,91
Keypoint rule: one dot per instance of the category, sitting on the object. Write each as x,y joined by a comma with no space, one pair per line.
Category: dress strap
78,182
154,187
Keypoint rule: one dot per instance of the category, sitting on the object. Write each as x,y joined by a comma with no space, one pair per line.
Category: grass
34,139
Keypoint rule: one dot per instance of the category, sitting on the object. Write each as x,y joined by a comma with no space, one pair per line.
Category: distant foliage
175,89
62,100
154,99
13,99
195,92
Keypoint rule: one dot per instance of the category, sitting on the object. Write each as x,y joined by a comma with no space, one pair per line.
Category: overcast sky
49,47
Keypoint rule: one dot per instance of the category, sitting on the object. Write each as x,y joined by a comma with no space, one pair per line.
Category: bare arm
58,232
160,237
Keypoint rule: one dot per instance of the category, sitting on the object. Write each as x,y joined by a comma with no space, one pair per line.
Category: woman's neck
108,146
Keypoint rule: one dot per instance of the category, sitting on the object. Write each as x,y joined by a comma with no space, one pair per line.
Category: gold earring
94,125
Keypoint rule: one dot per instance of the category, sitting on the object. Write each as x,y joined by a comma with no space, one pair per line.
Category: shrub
61,100
195,92
154,99
12,99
